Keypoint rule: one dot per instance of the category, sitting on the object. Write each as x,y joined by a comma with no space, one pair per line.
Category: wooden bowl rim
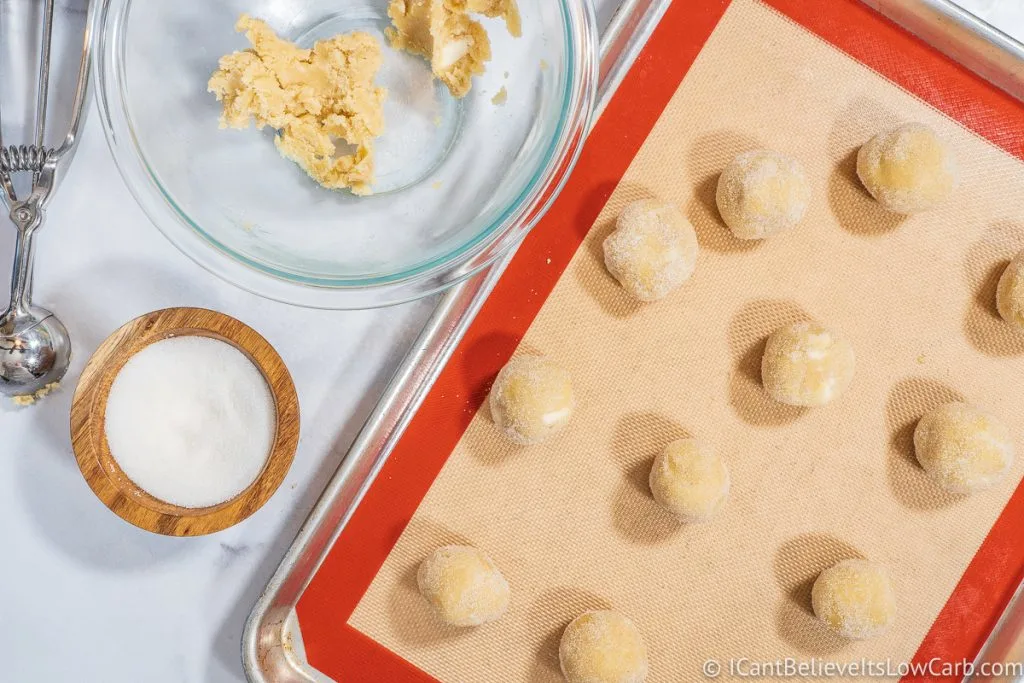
88,422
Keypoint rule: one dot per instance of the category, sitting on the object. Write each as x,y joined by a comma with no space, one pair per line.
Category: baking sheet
273,643
819,485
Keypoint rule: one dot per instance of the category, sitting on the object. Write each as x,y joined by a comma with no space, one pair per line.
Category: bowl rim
419,280
100,469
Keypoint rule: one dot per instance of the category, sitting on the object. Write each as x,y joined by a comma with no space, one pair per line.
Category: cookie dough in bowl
457,45
311,97
446,182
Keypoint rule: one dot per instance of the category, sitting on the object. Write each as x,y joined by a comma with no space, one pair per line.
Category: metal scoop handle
35,349
43,163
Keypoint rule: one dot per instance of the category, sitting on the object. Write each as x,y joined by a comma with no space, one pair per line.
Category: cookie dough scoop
35,349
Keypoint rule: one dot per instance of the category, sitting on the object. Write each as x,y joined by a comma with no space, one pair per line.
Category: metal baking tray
272,648
999,59
962,36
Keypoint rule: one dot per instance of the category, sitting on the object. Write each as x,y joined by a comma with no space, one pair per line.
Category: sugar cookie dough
312,97
463,586
761,193
855,599
532,399
652,251
602,647
908,169
443,32
1010,293
689,480
26,400
805,364
963,449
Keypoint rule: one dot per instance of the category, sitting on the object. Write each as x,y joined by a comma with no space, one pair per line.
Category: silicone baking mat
571,522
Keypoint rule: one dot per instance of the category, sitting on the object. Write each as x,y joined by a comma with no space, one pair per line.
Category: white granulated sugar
191,421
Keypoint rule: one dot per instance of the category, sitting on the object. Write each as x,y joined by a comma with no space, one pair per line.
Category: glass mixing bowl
458,181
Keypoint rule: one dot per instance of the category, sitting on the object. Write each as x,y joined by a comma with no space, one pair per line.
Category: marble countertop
86,597
1007,15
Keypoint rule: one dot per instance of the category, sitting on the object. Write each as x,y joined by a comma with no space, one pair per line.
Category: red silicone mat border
345,654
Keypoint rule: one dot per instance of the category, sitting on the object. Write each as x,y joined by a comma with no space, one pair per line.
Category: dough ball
652,251
761,193
1010,294
805,364
463,586
532,399
962,448
689,480
908,169
603,647
854,598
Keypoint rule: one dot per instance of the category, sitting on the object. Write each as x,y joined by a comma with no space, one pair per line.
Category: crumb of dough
436,184
443,32
312,97
30,399
544,65
438,120
501,97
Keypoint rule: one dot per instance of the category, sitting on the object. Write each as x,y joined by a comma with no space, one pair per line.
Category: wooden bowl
88,423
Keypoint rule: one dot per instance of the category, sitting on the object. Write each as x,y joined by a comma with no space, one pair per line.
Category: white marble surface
85,597
1007,15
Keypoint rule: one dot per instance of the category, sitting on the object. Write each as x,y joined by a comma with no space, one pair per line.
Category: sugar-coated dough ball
603,647
908,169
689,480
761,193
652,251
962,448
805,364
532,399
854,598
1010,294
463,586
